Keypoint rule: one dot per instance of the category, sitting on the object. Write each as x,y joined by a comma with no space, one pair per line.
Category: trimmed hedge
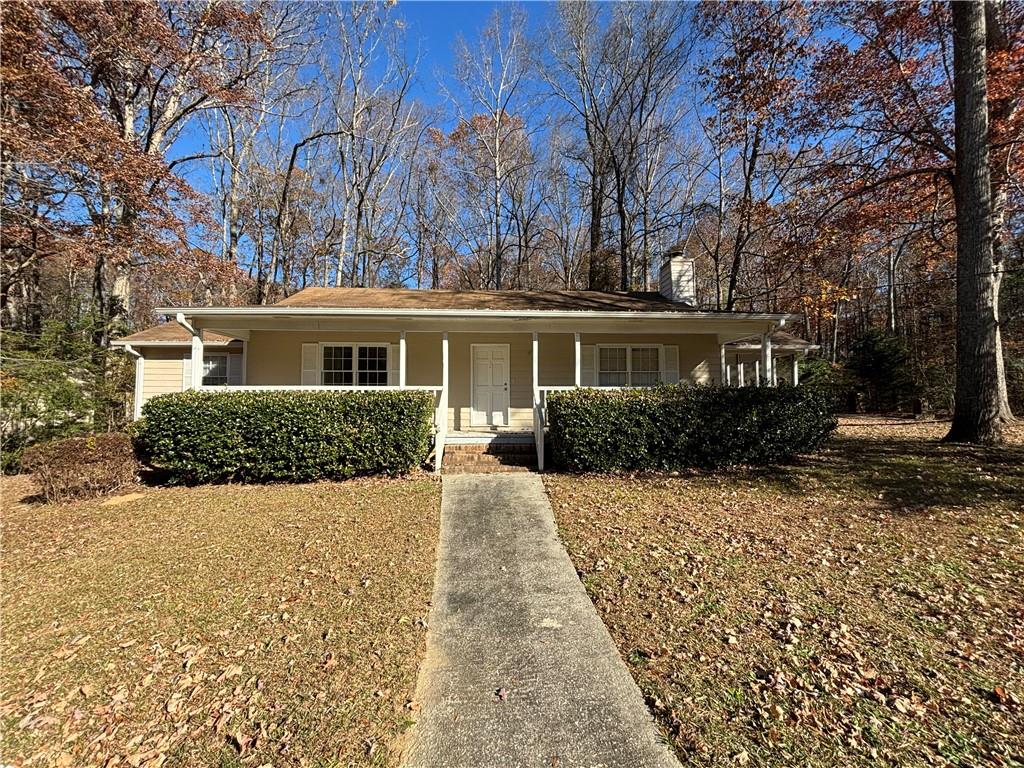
674,427
205,437
82,467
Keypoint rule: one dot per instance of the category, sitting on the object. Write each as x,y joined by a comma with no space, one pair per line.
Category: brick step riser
485,469
490,456
494,463
489,449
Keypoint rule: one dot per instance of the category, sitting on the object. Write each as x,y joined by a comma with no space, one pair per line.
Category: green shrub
882,372
82,467
203,437
668,428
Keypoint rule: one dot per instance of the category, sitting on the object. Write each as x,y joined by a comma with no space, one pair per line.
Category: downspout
197,350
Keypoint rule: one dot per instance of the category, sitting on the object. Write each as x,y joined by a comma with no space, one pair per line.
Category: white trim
245,361
197,355
281,312
508,382
578,360
401,359
629,362
538,419
140,378
312,388
126,344
442,407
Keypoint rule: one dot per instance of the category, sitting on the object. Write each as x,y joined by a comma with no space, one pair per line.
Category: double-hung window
628,366
215,370
365,365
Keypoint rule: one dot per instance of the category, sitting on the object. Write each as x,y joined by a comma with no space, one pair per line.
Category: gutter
180,313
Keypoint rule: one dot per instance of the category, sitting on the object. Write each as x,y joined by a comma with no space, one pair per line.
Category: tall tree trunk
596,214
625,263
976,410
1002,108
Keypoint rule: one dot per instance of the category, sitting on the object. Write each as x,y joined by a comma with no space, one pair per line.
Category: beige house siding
161,373
699,355
275,358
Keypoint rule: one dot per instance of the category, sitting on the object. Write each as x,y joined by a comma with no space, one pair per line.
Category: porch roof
781,340
171,334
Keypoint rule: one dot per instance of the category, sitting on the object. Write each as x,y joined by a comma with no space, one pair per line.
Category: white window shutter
588,360
670,364
310,365
393,362
234,369
186,370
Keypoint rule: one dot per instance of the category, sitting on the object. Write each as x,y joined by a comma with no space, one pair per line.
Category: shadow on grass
909,474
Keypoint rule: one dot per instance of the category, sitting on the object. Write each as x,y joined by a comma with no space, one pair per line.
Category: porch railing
440,425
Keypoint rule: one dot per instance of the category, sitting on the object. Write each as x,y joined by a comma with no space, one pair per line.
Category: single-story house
488,357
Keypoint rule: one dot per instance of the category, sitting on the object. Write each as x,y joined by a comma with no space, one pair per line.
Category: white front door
489,406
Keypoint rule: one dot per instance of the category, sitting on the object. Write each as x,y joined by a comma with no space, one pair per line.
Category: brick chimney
677,280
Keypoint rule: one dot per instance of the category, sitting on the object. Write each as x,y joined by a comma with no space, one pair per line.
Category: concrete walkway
520,670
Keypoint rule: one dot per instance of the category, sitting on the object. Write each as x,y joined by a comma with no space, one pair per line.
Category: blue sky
437,25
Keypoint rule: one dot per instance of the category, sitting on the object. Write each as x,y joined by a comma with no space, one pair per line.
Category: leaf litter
862,606
219,625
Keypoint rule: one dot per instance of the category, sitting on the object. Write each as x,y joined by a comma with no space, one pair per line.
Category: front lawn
864,606
222,625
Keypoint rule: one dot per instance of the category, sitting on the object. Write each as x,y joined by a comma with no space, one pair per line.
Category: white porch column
766,359
796,369
401,360
757,373
723,369
742,374
577,377
197,361
538,420
442,407
444,376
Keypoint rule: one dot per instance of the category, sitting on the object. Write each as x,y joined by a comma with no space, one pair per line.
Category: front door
489,385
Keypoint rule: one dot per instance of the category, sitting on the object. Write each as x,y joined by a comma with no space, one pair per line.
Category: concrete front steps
492,456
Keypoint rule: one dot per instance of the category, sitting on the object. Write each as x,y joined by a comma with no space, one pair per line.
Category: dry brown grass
222,625
861,607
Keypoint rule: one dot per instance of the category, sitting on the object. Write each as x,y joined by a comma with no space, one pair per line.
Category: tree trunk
976,410
596,212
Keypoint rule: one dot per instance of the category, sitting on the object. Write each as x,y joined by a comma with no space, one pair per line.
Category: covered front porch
486,381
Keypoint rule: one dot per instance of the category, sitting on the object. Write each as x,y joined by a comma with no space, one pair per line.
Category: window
337,366
215,370
643,369
612,367
628,366
373,366
345,365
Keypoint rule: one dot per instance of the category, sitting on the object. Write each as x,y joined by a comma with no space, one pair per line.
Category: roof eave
213,312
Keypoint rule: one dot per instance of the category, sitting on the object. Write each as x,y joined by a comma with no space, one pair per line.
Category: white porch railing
540,420
440,402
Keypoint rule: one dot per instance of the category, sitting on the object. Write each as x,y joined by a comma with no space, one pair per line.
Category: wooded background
232,153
